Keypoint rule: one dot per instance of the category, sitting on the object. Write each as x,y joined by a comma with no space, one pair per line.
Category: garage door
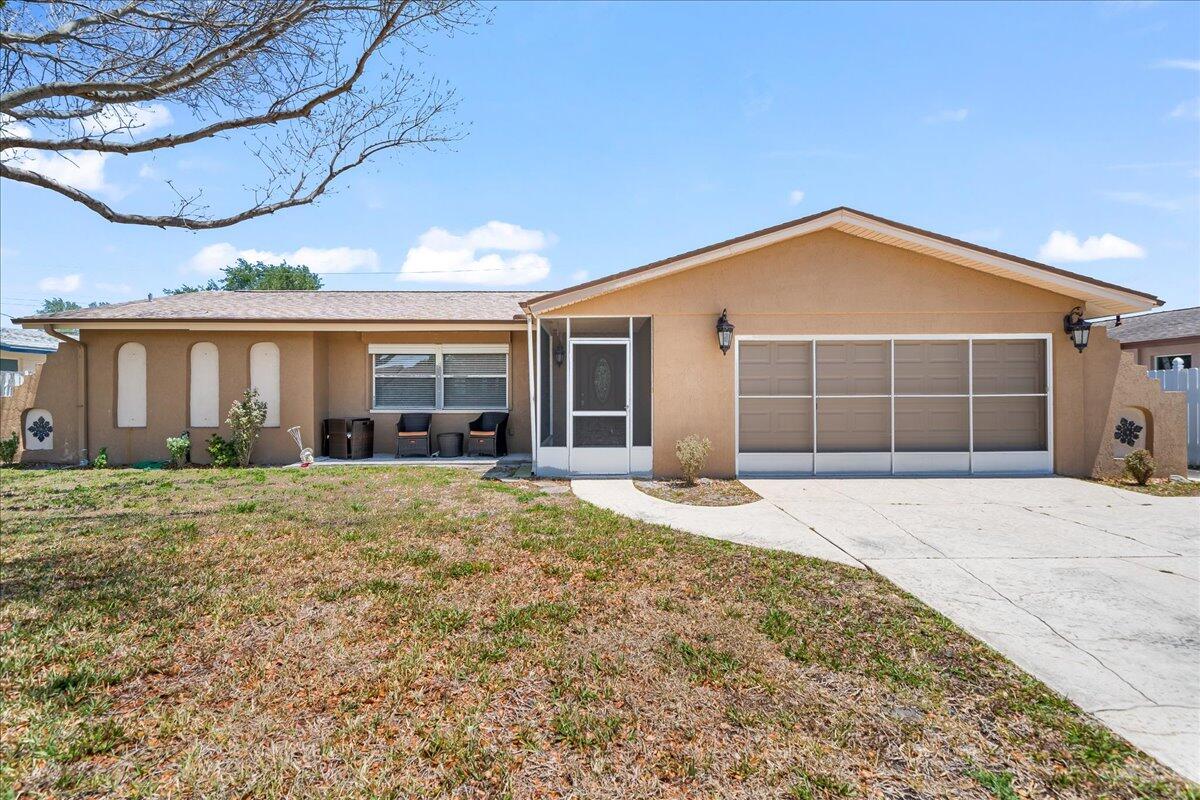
893,405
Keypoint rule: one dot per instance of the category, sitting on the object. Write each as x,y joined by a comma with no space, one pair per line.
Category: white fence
10,381
1185,380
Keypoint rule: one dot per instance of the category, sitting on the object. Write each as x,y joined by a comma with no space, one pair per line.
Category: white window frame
978,462
439,351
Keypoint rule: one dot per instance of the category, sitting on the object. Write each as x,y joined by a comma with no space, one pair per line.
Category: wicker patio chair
412,435
486,434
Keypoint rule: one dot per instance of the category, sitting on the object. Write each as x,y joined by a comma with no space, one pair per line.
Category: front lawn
374,632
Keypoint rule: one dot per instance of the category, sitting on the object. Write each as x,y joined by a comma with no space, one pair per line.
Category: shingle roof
296,306
1178,324
27,340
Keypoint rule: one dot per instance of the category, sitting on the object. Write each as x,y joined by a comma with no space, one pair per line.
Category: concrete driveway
1094,590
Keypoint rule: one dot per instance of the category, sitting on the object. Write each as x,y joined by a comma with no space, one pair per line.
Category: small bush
179,447
221,452
101,459
692,452
246,419
1140,466
8,448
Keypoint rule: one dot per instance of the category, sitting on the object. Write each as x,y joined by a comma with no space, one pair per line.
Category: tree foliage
314,88
244,276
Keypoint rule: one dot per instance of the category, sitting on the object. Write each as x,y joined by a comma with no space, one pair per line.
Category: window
264,377
131,385
439,377
204,386
1168,362
9,365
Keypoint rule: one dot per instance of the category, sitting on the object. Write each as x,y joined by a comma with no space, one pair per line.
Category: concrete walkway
1094,590
760,524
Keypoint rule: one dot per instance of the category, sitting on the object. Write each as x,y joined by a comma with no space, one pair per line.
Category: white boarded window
439,377
264,377
131,385
205,385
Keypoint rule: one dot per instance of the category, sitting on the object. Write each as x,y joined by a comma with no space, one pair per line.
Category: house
850,344
21,350
1158,338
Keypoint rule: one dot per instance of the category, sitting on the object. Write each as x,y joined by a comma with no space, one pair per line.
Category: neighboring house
860,345
1158,338
21,350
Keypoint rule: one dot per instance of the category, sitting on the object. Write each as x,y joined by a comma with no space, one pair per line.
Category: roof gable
1100,298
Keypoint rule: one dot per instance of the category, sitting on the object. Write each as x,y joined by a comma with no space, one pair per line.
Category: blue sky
605,136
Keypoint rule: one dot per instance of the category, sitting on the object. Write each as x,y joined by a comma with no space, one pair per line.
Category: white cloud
1143,199
210,260
1188,109
1179,63
795,197
148,171
82,169
450,258
1065,246
65,284
947,115
579,276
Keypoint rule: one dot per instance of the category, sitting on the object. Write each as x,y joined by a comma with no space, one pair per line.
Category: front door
598,436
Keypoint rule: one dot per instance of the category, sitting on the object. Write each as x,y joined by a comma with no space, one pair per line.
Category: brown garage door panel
932,425
853,368
1010,423
854,425
775,425
934,367
1010,366
775,368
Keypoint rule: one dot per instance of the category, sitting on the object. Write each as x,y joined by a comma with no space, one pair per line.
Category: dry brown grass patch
365,632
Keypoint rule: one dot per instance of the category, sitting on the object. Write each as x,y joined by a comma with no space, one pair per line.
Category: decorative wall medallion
40,429
602,379
1127,432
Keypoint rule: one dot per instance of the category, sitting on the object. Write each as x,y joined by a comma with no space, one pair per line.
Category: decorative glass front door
599,431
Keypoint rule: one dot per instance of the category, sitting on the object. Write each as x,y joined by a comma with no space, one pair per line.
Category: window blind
441,379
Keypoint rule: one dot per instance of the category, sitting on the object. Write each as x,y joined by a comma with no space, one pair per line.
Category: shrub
101,459
179,447
692,452
221,452
8,448
246,418
1140,466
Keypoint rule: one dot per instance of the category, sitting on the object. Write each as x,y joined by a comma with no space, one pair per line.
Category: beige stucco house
859,346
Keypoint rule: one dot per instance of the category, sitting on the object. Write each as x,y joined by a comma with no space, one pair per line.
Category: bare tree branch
307,81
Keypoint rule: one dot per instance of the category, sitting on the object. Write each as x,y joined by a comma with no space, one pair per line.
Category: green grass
370,633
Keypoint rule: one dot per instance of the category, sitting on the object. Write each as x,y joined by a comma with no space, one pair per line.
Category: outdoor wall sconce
724,332
560,355
1078,328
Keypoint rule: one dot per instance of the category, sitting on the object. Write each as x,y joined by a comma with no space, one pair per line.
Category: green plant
1140,466
101,459
8,448
692,452
179,447
246,418
221,452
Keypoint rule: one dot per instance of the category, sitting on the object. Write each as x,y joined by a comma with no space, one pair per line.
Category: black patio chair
486,434
412,435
